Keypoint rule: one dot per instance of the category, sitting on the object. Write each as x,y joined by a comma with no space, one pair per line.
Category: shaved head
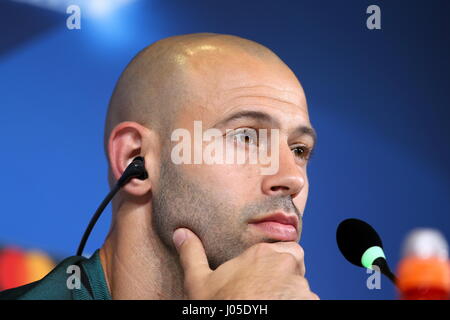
158,81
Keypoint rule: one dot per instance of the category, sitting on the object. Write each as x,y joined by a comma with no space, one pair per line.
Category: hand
264,271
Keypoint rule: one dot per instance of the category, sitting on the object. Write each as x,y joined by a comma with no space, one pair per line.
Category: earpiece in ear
136,169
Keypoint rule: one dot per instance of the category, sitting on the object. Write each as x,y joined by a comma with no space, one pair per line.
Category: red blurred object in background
12,268
424,279
19,267
424,272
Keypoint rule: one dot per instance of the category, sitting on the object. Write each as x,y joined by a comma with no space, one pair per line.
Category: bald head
164,77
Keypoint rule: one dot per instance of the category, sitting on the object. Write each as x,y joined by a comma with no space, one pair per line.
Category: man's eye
302,152
246,136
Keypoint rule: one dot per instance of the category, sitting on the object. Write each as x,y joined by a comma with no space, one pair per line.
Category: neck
136,263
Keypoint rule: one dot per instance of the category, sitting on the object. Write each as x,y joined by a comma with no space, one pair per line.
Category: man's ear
127,141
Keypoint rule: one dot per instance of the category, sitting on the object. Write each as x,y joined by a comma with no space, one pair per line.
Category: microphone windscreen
354,237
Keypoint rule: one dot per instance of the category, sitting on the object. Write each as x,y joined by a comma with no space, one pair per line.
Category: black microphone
136,169
361,245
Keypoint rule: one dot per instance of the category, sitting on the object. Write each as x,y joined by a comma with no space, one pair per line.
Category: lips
277,226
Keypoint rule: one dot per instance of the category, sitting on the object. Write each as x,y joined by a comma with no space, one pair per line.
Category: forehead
228,82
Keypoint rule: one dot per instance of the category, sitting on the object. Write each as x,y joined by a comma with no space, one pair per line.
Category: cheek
236,182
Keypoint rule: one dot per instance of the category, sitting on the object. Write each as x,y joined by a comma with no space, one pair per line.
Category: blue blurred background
379,100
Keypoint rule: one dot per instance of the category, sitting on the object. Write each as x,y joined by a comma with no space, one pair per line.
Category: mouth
278,226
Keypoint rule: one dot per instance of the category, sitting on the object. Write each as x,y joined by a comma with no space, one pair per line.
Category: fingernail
179,236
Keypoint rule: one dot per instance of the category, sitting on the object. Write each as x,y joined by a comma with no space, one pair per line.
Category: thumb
192,255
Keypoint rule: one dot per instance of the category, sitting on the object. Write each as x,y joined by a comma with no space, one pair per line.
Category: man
200,230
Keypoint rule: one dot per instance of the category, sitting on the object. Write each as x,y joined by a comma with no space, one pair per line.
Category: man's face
221,202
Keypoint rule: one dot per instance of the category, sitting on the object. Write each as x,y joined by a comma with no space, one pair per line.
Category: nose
288,180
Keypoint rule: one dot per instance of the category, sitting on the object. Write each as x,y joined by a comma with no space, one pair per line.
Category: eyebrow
252,115
264,117
309,131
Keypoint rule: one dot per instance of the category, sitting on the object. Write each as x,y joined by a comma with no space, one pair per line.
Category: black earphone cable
136,169
95,217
